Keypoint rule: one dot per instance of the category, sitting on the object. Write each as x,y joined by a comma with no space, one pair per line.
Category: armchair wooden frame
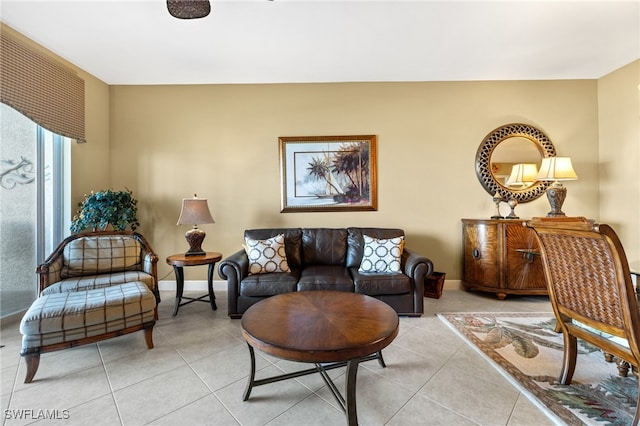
590,289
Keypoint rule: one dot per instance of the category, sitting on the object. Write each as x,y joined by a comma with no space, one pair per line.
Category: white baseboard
192,285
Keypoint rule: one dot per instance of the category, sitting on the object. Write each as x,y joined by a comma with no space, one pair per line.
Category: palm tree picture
345,171
328,173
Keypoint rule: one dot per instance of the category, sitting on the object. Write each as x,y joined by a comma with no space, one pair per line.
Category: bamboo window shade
47,92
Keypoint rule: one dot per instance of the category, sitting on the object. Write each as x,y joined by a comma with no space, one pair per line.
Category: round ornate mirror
507,150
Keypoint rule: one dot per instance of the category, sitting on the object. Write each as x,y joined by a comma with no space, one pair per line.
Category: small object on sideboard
512,205
497,199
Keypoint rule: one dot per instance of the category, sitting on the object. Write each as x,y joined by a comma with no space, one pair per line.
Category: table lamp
195,211
556,169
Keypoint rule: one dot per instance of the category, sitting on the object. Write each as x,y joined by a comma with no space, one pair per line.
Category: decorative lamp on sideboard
556,170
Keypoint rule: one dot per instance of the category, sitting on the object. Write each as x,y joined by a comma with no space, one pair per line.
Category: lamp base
556,195
195,237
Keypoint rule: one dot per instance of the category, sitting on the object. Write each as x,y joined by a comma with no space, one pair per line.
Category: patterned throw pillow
266,255
381,255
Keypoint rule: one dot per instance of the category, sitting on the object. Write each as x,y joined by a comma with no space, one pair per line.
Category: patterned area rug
527,351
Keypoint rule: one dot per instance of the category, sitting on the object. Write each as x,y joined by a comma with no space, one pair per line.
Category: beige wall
91,161
619,154
221,142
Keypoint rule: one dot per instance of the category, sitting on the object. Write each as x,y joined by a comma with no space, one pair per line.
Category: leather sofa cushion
374,284
292,242
262,285
356,241
325,277
323,246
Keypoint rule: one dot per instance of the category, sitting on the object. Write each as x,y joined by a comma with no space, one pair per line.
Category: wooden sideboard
501,256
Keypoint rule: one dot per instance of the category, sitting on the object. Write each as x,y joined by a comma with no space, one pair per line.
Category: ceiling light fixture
189,9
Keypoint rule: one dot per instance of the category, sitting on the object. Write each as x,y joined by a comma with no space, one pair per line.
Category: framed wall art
328,173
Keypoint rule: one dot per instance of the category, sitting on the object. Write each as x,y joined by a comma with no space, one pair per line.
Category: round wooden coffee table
320,327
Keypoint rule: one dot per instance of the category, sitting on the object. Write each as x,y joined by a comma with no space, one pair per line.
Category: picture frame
328,173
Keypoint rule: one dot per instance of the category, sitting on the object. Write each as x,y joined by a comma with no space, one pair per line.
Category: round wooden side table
179,261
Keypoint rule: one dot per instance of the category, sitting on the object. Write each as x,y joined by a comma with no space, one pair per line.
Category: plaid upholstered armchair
94,286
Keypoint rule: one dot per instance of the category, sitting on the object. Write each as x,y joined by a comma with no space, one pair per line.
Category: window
34,207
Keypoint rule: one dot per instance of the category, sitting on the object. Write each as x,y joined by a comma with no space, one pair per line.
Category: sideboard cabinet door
501,256
523,266
481,255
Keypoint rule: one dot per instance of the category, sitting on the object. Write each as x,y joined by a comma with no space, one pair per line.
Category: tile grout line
211,391
13,389
112,392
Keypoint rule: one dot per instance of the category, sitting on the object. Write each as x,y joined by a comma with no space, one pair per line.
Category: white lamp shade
556,168
195,211
522,174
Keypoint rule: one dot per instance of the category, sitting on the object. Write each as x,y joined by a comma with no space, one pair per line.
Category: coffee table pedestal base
348,405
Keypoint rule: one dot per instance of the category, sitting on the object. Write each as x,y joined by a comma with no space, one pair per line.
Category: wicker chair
590,289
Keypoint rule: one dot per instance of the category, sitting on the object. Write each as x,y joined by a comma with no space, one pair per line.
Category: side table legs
179,288
212,295
179,271
179,262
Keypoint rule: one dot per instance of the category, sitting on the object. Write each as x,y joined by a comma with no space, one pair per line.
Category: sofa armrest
416,266
234,269
235,266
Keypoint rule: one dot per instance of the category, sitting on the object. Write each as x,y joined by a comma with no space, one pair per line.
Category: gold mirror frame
489,144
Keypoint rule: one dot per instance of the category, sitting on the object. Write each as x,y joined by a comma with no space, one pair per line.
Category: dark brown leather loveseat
326,259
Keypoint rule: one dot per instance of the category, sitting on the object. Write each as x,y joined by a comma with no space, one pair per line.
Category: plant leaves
103,208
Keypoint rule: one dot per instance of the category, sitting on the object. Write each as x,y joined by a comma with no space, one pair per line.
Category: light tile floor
197,372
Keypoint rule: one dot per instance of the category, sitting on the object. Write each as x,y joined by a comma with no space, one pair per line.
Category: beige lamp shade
522,174
195,211
556,168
